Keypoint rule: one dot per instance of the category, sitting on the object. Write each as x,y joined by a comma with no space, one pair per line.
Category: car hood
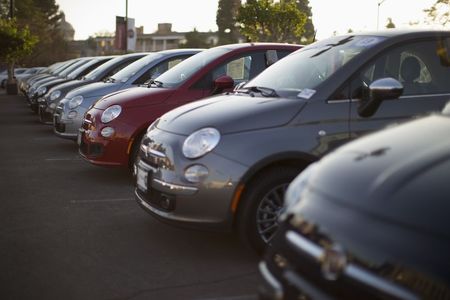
390,174
135,97
95,89
231,113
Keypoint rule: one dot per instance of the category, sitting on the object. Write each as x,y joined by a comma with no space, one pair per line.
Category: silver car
70,111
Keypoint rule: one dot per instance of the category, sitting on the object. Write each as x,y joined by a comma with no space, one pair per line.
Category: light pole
126,26
378,12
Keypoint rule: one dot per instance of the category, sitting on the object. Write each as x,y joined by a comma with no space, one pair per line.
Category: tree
309,33
226,21
42,18
269,21
390,24
194,39
439,12
15,43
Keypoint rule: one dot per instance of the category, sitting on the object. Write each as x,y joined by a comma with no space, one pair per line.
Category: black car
226,161
369,221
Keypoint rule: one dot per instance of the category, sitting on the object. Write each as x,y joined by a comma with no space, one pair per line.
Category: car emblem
333,262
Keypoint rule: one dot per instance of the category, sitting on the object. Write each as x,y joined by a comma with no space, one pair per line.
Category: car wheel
261,205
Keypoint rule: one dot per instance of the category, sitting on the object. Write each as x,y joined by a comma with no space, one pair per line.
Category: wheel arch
299,160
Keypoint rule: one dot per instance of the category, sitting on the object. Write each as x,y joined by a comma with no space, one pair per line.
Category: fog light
40,100
52,105
72,114
107,132
196,173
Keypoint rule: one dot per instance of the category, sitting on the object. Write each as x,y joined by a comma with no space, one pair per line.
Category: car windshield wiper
264,91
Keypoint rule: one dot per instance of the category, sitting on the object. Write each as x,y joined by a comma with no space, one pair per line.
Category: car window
157,70
417,66
240,69
310,66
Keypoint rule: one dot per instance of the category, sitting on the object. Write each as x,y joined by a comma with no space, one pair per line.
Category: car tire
261,204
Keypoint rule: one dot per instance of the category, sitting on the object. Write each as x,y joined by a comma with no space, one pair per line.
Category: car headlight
296,188
55,95
111,113
201,142
75,101
41,90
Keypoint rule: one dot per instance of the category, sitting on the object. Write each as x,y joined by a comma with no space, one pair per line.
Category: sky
90,17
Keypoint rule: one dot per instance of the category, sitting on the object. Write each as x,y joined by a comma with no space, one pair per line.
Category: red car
113,128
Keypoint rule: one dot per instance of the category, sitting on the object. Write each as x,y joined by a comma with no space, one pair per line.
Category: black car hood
231,113
392,173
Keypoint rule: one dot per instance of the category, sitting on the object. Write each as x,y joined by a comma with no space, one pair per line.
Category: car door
423,71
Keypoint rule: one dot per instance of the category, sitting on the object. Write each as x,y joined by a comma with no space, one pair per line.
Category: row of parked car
359,223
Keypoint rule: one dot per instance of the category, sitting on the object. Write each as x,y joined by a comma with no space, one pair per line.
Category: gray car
225,162
70,111
114,64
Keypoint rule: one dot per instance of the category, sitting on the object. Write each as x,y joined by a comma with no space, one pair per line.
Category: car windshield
97,73
130,70
184,70
301,72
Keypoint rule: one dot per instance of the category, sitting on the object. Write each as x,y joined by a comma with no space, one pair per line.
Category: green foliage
439,12
309,30
269,21
15,42
194,39
42,18
226,21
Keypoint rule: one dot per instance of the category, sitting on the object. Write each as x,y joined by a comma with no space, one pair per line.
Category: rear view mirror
223,83
379,90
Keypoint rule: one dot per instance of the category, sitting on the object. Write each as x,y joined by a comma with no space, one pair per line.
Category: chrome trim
351,270
276,286
304,245
174,187
401,97
156,153
87,121
372,280
425,95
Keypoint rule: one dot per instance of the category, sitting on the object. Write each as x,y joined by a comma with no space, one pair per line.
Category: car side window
159,69
418,66
240,69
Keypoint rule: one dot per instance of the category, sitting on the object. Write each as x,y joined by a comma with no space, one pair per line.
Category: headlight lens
75,101
296,188
55,95
111,113
41,90
201,142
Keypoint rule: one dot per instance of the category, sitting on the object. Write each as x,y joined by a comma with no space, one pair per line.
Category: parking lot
71,230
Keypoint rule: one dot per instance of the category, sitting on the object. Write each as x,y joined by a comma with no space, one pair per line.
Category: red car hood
135,97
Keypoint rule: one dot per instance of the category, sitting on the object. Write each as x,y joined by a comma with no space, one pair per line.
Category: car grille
157,199
59,127
91,149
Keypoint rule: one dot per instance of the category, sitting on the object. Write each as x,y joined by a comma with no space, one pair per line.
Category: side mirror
223,83
379,90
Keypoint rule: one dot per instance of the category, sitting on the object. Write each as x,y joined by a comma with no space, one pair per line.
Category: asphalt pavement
71,230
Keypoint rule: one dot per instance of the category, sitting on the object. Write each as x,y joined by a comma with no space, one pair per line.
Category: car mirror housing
379,90
222,83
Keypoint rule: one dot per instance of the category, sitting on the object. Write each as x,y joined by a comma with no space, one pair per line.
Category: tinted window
241,69
189,67
159,69
124,74
418,66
